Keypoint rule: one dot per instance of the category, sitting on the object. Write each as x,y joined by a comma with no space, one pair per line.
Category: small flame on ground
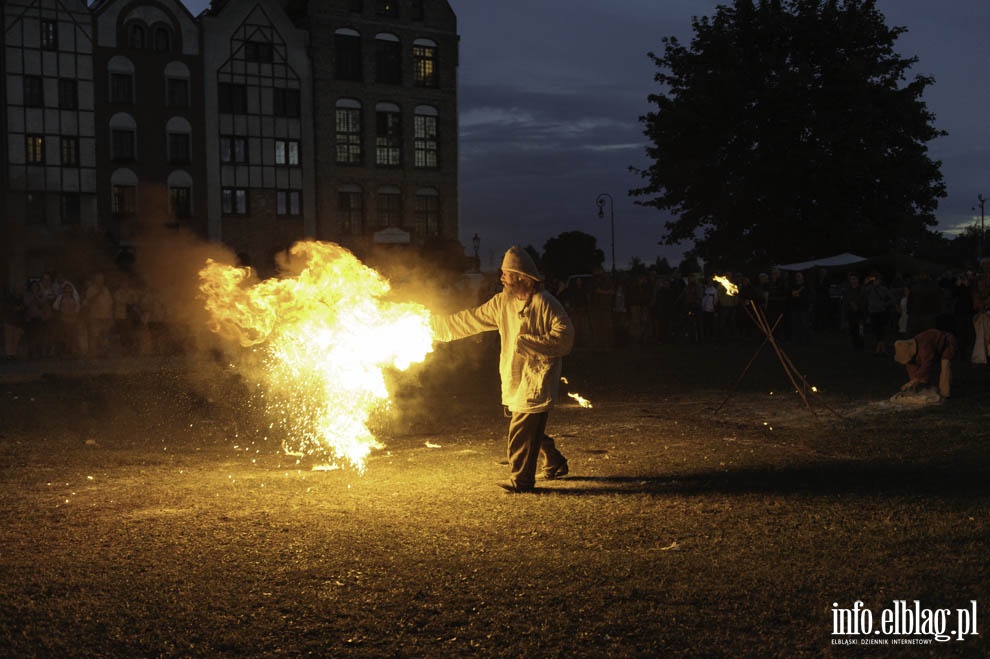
730,288
324,336
581,400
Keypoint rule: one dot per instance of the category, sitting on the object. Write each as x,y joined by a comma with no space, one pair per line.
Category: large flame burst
326,335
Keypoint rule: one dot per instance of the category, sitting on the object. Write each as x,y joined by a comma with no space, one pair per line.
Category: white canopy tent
838,260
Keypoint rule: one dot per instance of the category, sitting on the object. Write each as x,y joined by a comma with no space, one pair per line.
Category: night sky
551,92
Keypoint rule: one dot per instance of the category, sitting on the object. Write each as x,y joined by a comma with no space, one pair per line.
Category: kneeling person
926,356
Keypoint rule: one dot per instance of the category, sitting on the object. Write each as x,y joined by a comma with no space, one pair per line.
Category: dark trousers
527,440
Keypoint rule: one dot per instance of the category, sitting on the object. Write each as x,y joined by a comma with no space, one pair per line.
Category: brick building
255,124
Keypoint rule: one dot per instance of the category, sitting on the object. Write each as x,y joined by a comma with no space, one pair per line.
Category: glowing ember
581,400
730,288
324,335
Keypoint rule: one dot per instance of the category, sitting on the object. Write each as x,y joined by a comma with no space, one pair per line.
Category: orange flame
730,288
325,336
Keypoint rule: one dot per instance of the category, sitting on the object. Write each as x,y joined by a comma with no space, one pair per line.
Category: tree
571,253
786,133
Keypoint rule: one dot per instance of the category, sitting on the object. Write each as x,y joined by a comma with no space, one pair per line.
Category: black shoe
557,471
512,488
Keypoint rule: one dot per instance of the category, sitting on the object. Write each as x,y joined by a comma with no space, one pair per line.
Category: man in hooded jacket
536,333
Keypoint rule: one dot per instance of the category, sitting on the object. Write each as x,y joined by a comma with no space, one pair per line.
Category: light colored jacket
533,343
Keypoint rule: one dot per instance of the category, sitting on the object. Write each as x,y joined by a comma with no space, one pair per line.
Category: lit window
387,8
233,149
286,152
35,149
234,201
424,65
425,141
388,137
348,132
49,35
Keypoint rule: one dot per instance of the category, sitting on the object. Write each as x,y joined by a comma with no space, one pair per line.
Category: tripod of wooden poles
801,385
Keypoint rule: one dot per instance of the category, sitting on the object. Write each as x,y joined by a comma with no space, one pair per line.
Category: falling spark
324,336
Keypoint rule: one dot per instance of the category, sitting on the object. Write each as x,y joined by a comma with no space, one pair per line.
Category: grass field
150,515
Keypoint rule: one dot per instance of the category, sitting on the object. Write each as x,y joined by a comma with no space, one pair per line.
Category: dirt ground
154,514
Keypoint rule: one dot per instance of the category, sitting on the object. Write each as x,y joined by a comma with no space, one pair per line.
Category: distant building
256,124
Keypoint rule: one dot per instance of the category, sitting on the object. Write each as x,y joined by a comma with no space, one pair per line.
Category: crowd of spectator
645,307
111,313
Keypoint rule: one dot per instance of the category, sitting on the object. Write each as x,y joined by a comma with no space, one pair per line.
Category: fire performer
926,355
536,333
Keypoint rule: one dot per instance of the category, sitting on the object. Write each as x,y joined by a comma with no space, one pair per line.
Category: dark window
286,152
70,151
351,212
389,209
234,201
135,36
121,88
259,51
349,136
388,139
34,91
163,40
388,61
347,53
35,207
35,145
425,66
233,98
425,141
233,149
177,92
68,94
70,208
417,10
123,199
387,8
49,35
427,215
288,202
181,200
178,148
122,144
286,102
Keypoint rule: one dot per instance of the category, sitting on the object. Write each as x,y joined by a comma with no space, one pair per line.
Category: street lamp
476,243
982,202
600,200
